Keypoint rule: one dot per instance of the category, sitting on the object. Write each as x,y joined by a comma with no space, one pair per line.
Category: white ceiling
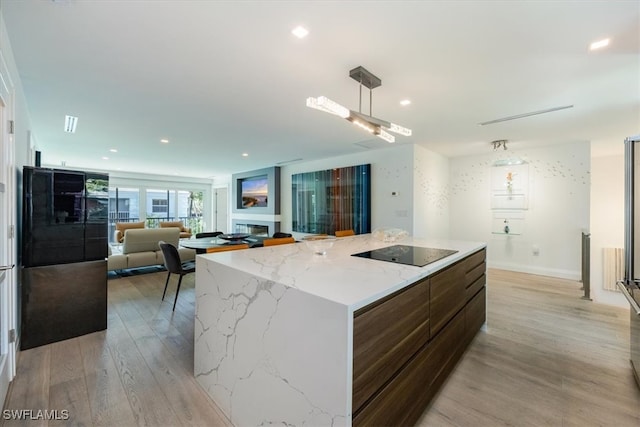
219,78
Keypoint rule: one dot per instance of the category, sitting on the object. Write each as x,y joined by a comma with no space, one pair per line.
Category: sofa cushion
121,227
143,259
165,224
186,254
145,240
185,232
128,225
117,262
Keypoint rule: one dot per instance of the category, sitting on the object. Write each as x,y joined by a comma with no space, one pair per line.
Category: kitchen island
285,336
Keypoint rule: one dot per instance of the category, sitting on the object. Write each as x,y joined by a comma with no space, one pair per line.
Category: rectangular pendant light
371,124
323,103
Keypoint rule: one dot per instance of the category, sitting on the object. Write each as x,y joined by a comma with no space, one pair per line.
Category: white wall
558,209
430,194
607,221
391,170
21,113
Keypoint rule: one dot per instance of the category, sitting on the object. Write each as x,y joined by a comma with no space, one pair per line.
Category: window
153,205
124,206
159,206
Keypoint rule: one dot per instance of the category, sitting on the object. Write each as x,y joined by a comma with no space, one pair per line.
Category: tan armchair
185,232
121,227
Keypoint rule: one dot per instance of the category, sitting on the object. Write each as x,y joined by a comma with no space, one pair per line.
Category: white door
7,251
220,210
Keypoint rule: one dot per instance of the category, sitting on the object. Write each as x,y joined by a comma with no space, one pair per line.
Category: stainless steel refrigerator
630,286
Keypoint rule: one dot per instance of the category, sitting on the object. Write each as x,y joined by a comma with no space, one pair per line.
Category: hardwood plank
544,357
181,390
106,395
67,359
70,396
145,296
149,408
32,393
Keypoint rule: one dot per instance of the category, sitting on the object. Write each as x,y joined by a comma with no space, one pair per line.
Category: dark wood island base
406,345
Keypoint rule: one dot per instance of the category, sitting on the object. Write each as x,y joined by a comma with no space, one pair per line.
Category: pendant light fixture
377,127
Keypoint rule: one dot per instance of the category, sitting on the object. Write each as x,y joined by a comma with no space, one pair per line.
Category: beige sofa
185,232
140,248
121,227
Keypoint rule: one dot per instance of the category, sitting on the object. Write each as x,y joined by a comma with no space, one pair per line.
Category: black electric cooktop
410,255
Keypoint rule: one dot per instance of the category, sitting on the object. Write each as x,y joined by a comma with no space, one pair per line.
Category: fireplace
255,227
256,230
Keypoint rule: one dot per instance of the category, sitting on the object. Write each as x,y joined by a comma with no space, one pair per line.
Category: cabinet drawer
404,399
475,259
385,336
447,295
475,314
476,272
475,287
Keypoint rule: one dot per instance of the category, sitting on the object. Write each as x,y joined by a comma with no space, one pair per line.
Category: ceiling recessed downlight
113,150
164,140
245,154
599,44
70,123
300,32
405,102
105,158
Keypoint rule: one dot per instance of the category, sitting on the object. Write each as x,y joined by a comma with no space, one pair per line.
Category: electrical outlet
535,250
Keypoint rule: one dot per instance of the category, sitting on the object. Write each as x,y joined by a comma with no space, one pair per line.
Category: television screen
254,192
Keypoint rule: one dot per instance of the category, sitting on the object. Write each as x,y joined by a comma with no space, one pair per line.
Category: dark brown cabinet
385,335
406,345
63,301
64,246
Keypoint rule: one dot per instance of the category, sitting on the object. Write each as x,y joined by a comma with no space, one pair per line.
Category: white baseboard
541,271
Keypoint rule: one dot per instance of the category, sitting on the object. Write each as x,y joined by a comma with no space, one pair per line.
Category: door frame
8,243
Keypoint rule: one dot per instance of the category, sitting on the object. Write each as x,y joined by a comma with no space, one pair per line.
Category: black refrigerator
630,286
64,251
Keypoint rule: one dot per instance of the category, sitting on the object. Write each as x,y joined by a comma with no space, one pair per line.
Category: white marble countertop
338,276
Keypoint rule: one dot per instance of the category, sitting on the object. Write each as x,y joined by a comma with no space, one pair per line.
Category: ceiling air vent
70,124
520,116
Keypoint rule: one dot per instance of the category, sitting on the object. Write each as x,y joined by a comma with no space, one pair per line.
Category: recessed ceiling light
599,44
245,154
105,158
300,32
405,102
164,140
113,150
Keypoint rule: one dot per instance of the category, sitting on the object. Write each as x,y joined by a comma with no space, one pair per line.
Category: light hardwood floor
545,357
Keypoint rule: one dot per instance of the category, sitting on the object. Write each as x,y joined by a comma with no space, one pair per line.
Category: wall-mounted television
255,192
